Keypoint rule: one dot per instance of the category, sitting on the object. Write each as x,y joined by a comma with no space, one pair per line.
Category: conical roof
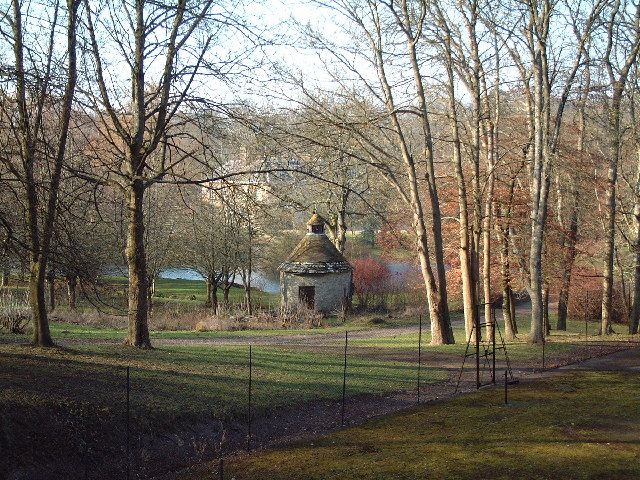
315,254
316,220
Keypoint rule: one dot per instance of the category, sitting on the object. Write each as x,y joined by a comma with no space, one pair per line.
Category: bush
201,327
371,279
300,314
585,301
15,313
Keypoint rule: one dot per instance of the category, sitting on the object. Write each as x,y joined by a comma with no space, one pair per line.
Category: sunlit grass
562,427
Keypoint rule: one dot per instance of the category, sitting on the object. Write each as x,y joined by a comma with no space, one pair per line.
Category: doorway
306,296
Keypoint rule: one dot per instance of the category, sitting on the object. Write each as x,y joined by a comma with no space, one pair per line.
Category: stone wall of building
330,289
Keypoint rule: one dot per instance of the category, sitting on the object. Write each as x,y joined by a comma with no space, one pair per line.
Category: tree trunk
341,231
214,298
40,241
208,282
569,259
477,194
441,331
508,316
4,280
225,295
610,218
226,287
618,85
51,285
138,333
486,273
41,332
247,299
635,310
72,282
535,285
486,236
338,227
514,320
539,190
465,250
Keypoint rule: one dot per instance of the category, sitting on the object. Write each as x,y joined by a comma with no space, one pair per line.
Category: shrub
585,301
371,279
201,327
300,314
15,313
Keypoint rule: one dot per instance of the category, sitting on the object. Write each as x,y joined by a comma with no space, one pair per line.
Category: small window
317,228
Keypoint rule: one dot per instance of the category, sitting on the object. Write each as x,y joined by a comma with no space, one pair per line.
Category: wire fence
102,413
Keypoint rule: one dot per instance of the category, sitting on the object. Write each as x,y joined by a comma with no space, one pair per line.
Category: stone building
316,274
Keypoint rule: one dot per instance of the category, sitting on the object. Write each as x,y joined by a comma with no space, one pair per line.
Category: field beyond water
64,411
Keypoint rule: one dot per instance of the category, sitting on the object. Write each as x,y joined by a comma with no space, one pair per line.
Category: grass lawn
197,381
73,400
559,348
70,400
73,331
171,291
578,425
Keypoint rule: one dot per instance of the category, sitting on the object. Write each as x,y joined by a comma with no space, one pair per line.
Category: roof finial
316,223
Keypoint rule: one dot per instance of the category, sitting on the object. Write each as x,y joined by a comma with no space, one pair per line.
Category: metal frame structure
489,349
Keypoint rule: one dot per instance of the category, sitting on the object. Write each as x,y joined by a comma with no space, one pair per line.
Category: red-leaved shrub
585,300
371,280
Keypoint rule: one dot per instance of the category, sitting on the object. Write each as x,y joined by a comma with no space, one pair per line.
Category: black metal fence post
128,427
477,332
419,354
493,336
586,330
344,376
249,405
506,401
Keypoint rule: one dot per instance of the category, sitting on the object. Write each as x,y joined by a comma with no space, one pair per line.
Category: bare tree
466,250
407,166
634,184
30,116
622,45
137,124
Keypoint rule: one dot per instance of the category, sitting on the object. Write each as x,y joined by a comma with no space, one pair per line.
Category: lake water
258,279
